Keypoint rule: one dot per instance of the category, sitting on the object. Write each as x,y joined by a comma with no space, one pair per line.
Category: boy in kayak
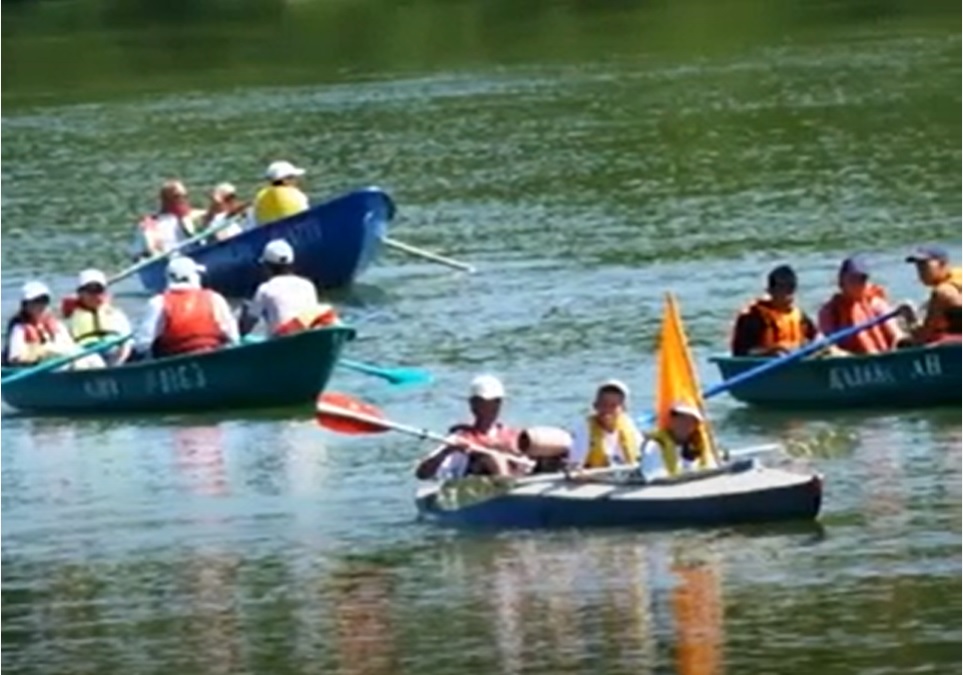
608,436
456,459
677,448
943,313
773,324
287,303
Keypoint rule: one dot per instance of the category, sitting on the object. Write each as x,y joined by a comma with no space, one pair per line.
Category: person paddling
92,317
286,302
174,222
281,198
678,446
224,211
456,459
608,436
34,334
185,318
856,302
773,324
942,322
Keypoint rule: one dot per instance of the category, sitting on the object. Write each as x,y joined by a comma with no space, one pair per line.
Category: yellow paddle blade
677,380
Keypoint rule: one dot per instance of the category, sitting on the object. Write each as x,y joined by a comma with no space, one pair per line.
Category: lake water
587,157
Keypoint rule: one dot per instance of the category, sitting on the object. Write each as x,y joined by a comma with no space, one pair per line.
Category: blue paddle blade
407,376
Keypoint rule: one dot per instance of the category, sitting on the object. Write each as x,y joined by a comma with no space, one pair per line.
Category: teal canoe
906,378
284,371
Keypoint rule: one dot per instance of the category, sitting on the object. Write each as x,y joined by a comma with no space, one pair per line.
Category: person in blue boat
456,459
225,212
185,318
91,316
679,447
175,221
282,197
773,325
286,302
607,437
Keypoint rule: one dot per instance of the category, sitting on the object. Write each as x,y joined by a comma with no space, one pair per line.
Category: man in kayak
174,222
92,317
773,324
456,459
678,447
286,302
34,334
281,197
859,301
185,318
608,436
943,315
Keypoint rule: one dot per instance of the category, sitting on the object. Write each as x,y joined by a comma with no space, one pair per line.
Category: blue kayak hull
740,494
333,242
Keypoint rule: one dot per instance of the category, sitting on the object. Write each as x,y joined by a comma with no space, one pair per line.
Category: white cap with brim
91,277
184,269
278,252
34,290
686,409
487,387
225,189
618,385
281,170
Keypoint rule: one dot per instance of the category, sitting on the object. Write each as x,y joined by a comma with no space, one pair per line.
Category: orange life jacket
846,313
190,324
783,329
944,327
34,332
316,317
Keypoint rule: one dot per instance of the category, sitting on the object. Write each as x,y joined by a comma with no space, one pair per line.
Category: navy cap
784,275
855,264
928,252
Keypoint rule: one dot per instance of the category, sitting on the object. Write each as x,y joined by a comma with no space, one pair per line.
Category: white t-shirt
282,298
653,465
166,232
610,441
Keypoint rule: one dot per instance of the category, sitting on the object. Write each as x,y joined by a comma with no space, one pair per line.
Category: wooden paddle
427,255
53,364
346,415
138,266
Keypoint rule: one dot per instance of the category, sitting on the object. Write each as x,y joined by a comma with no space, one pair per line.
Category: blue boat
738,493
333,242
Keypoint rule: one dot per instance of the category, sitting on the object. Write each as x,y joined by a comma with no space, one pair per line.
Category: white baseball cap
225,189
90,277
618,385
183,268
278,252
682,408
33,290
281,170
487,388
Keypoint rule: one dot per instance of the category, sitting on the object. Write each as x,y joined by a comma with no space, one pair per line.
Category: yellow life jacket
671,455
275,202
87,326
597,457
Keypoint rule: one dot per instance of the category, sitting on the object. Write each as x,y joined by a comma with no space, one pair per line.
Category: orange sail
677,380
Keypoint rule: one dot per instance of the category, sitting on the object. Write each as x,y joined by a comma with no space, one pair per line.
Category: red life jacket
190,324
316,317
34,333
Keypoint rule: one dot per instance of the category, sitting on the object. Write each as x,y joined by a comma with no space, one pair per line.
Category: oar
347,415
53,364
137,267
427,255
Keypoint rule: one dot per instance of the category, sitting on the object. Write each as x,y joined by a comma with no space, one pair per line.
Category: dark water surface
587,157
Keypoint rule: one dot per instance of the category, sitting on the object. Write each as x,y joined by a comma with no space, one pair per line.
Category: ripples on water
582,191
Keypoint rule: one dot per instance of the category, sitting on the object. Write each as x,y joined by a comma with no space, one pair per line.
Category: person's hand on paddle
908,313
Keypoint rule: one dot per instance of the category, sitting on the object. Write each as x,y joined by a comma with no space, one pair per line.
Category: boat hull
906,378
333,242
285,371
741,493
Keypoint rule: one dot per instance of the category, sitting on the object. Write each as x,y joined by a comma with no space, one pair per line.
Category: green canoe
280,372
907,378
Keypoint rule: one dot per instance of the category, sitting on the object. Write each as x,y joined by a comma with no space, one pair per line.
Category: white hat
90,277
487,387
618,385
225,189
32,290
278,252
281,170
686,409
182,268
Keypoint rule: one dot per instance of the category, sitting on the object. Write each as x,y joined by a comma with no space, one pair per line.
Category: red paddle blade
346,415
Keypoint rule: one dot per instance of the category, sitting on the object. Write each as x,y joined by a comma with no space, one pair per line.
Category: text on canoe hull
166,381
858,375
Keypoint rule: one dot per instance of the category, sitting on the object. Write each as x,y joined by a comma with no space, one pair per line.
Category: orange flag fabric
677,380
